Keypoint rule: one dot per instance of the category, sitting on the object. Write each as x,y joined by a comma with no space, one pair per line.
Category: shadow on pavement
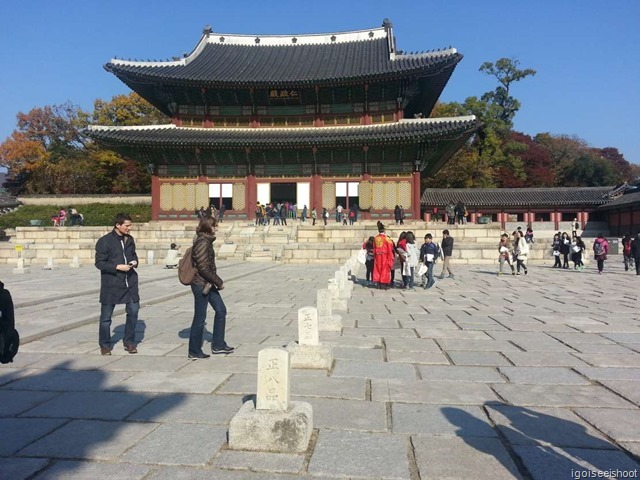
56,420
543,445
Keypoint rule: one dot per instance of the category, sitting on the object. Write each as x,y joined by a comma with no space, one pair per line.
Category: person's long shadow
57,419
545,446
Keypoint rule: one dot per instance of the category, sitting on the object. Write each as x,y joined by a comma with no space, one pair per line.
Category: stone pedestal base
21,270
271,431
330,324
339,303
310,356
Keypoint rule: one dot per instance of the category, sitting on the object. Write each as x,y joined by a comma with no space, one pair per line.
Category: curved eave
410,66
404,132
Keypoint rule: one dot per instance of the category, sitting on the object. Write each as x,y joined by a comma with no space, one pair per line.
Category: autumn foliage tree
50,153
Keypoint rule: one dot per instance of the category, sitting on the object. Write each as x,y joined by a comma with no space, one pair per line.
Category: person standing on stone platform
383,258
206,273
117,260
368,246
635,252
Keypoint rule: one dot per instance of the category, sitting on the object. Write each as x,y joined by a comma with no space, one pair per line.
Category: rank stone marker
307,352
273,424
327,321
75,263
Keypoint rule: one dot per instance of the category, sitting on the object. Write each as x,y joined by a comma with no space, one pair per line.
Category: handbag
422,270
362,256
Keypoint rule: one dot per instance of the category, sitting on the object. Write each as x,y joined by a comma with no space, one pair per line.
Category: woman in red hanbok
383,258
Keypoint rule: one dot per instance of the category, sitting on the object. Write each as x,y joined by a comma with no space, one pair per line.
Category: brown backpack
186,269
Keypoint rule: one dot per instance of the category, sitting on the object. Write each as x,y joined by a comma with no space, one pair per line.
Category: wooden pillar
426,217
416,195
502,218
474,217
316,194
155,197
251,196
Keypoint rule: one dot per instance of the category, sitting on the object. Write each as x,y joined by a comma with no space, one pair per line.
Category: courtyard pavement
484,377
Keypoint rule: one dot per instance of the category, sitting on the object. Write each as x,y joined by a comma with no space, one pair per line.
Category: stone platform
479,377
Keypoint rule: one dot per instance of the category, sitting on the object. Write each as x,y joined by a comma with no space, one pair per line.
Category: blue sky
585,51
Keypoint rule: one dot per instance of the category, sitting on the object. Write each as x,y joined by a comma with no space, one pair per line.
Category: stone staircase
243,241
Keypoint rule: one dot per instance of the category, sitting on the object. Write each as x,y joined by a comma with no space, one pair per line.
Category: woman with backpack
505,250
626,251
600,250
206,273
368,246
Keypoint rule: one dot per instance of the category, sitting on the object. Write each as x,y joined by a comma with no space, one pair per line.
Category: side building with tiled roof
318,119
524,205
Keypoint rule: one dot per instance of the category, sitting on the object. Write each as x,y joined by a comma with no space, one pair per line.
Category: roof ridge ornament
391,40
207,30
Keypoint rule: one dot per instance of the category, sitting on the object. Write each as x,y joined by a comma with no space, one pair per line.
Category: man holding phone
117,260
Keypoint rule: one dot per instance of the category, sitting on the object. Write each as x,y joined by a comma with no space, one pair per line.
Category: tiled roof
398,132
525,197
221,59
623,201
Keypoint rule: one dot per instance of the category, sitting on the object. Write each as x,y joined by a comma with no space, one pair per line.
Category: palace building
314,119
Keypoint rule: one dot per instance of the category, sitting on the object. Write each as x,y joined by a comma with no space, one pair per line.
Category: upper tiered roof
225,60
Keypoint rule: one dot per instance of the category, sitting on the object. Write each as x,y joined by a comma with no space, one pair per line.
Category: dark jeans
427,280
369,265
565,260
104,331
637,262
200,315
600,264
558,263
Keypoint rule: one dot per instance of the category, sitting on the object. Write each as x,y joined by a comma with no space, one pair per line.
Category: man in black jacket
116,259
635,252
447,251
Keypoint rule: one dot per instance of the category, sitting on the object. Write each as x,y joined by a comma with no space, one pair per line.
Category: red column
155,197
316,193
416,195
252,196
426,217
474,217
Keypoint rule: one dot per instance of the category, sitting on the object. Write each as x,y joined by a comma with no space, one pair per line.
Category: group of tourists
382,257
456,213
59,219
212,211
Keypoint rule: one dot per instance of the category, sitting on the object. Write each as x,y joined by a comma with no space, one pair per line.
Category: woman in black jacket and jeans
203,294
565,249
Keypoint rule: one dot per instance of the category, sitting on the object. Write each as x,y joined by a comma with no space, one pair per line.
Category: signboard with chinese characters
283,94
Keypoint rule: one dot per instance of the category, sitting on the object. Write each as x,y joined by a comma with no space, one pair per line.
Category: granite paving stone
353,415
378,370
70,470
15,402
23,431
96,405
172,382
549,359
453,373
20,468
418,358
464,421
260,461
178,444
431,392
621,425
94,439
411,344
356,454
67,380
543,376
628,389
446,457
603,373
630,360
372,354
469,358
560,396
189,408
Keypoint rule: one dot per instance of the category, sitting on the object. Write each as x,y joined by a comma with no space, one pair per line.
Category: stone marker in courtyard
274,423
150,257
338,302
49,265
327,321
75,263
20,268
307,351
